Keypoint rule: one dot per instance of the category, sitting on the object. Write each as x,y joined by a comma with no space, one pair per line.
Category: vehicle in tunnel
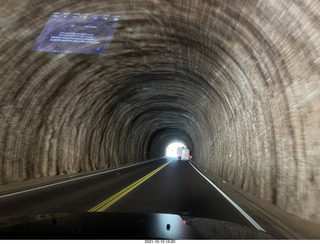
183,153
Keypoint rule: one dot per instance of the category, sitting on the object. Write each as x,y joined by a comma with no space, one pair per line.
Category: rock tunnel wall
237,81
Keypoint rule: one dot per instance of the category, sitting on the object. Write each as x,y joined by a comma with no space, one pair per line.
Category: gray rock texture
237,81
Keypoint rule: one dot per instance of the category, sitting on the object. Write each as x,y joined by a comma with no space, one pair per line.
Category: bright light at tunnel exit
171,150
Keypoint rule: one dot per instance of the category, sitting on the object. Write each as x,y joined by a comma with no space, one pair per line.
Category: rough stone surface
237,81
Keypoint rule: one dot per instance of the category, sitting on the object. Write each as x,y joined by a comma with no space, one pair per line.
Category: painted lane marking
111,200
254,223
78,178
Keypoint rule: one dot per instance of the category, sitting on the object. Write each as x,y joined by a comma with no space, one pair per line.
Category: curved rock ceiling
237,81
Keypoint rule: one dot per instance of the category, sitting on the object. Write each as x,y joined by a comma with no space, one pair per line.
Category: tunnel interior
236,81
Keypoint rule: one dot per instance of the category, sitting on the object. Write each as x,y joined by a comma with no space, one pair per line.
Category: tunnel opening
171,150
160,140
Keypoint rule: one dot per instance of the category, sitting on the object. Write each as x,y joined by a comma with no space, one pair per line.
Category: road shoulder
273,219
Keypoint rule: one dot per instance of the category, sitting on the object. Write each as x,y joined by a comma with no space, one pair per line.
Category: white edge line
254,223
77,178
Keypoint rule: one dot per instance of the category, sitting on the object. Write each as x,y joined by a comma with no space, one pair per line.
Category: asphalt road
153,187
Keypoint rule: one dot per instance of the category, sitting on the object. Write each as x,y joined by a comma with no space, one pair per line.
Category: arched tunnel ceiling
238,81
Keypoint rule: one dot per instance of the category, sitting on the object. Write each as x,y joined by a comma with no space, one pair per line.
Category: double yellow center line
111,200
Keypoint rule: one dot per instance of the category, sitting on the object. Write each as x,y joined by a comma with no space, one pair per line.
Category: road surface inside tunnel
153,187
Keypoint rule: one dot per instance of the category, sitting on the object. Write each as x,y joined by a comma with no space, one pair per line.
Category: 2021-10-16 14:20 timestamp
160,241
